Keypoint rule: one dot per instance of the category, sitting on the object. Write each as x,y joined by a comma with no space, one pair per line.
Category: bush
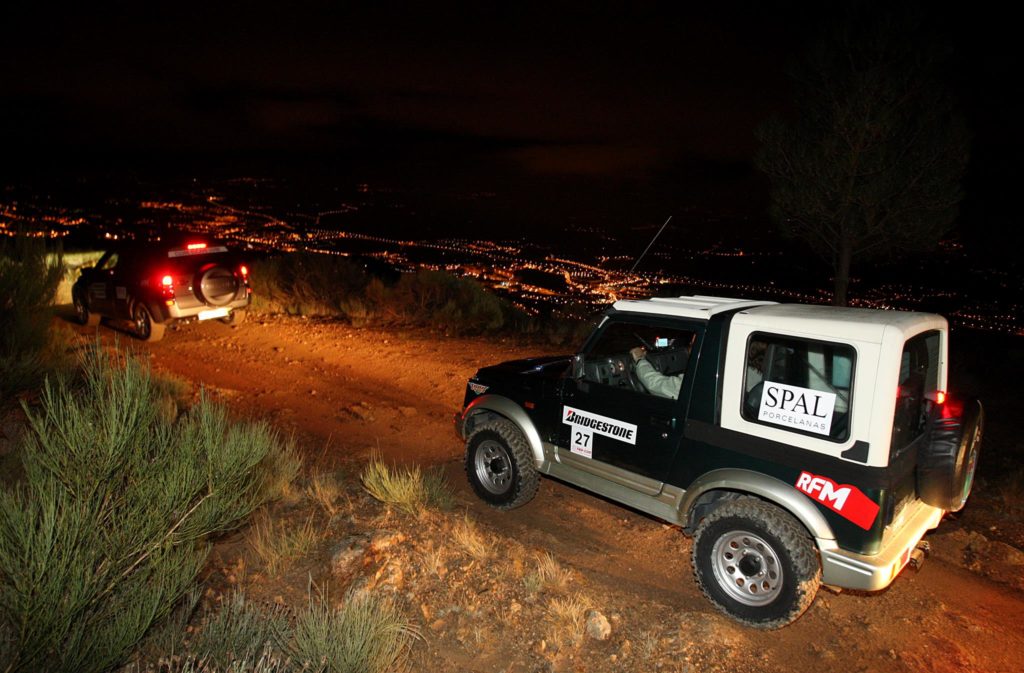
338,287
367,634
240,632
111,525
28,281
307,284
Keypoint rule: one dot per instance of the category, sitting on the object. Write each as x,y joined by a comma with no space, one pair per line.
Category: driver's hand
638,353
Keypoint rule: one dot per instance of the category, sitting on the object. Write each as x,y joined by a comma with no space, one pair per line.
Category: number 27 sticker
582,442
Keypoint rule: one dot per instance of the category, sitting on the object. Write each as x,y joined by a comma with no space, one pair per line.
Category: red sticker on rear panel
845,500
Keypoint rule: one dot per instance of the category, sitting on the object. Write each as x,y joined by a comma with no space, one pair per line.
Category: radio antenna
650,244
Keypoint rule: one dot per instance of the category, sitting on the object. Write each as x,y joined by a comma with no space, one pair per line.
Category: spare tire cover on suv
945,465
215,285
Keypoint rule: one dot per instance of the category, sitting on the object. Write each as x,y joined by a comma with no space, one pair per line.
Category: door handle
662,422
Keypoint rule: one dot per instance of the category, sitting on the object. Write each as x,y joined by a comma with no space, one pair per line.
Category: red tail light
940,397
244,270
167,281
196,246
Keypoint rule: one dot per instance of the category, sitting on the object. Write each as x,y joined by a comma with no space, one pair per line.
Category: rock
349,554
598,627
385,539
408,411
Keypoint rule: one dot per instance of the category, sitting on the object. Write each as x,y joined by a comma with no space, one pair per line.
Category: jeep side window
109,263
608,361
800,385
919,375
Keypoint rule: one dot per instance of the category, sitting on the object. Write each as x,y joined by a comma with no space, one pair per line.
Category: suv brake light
244,271
167,288
196,246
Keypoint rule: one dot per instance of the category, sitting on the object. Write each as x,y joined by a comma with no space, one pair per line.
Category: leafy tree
871,165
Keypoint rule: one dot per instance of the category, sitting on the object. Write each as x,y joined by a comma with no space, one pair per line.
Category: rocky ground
569,582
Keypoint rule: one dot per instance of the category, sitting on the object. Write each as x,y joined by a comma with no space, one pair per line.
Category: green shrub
28,281
307,284
367,634
239,631
338,287
110,526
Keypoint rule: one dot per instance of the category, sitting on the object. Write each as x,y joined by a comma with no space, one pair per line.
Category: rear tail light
167,288
244,270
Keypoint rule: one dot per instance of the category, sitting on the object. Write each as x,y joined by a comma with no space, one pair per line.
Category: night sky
666,97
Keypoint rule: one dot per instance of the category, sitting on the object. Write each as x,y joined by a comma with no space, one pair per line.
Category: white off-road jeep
805,444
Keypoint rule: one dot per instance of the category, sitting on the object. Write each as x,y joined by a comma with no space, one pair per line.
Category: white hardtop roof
697,306
812,319
864,324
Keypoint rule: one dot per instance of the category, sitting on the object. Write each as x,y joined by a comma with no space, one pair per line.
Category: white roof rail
696,306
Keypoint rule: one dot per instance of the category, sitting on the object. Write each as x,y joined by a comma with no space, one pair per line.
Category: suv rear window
919,376
799,385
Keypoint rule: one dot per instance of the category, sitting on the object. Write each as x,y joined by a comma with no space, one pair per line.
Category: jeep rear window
799,385
919,376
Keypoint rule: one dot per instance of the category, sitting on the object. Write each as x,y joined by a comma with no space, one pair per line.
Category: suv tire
146,328
756,563
82,312
500,466
945,466
235,318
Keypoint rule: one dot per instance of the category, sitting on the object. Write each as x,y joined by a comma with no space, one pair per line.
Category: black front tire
82,312
756,563
499,465
147,329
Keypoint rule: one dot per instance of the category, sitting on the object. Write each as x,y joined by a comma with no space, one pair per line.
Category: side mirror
576,370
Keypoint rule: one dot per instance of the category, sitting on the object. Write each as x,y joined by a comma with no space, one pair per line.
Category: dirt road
347,392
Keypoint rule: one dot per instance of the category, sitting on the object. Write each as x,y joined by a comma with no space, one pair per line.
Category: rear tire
499,465
147,329
235,318
756,563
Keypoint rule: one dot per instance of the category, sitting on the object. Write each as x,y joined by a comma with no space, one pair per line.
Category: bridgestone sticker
586,424
795,407
845,500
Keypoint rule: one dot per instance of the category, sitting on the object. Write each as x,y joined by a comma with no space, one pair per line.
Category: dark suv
154,283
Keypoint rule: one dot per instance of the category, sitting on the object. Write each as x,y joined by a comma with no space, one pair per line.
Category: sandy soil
346,392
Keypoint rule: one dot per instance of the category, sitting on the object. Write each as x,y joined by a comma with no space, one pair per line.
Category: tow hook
920,553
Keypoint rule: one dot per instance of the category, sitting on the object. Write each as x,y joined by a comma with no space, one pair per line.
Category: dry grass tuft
327,491
278,544
568,614
472,540
410,489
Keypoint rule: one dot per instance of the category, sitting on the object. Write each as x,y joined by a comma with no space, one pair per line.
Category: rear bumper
871,573
177,312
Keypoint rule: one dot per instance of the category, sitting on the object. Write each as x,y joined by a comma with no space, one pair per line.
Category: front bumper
850,570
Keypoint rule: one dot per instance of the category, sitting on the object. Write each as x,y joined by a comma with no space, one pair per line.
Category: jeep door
610,424
99,289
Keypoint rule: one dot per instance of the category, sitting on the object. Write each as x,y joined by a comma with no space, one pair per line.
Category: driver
656,383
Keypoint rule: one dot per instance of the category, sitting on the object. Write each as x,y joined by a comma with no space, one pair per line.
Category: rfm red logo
845,500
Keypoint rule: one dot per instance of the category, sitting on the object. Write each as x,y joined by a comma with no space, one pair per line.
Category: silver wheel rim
493,467
142,322
747,568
